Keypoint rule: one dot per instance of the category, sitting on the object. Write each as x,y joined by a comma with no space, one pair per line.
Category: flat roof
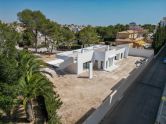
73,53
55,62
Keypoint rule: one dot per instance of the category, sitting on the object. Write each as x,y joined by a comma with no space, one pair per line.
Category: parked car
164,60
146,46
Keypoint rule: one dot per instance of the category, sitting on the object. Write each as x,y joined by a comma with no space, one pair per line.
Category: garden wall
140,52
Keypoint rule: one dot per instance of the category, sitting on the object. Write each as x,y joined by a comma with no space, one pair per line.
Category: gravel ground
81,95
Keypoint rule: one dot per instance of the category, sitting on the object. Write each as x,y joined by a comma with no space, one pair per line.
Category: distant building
19,28
134,26
133,37
74,28
163,22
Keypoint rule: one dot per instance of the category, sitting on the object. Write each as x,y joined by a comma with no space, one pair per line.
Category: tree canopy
88,36
22,79
159,37
109,32
149,27
33,21
8,39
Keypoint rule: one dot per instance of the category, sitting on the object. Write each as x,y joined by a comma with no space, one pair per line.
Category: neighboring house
133,37
19,28
163,22
74,28
97,56
40,37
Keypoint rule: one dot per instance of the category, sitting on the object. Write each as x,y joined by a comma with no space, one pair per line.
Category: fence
116,95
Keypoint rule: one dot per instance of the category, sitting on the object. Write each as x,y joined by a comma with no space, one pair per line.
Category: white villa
97,56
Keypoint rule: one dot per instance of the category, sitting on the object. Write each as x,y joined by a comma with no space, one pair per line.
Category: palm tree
28,82
32,82
22,78
30,87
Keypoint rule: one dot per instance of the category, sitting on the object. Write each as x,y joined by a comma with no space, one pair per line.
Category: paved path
141,102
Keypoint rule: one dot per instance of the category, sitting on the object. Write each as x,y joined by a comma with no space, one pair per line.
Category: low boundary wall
161,115
160,50
140,52
97,116
161,118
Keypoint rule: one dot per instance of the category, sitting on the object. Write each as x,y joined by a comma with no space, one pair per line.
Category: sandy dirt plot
81,95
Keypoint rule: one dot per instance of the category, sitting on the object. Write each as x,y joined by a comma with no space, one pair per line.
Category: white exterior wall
104,56
72,68
120,53
82,58
67,61
74,60
100,56
110,54
126,46
62,57
109,59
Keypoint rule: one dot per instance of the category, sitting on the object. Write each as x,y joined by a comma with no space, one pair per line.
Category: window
86,65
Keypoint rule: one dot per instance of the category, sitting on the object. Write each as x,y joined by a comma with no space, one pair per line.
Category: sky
92,12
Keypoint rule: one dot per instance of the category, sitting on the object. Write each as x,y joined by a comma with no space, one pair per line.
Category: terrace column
108,48
82,50
108,63
90,70
104,65
126,52
79,65
122,55
111,62
118,56
78,71
113,59
99,65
